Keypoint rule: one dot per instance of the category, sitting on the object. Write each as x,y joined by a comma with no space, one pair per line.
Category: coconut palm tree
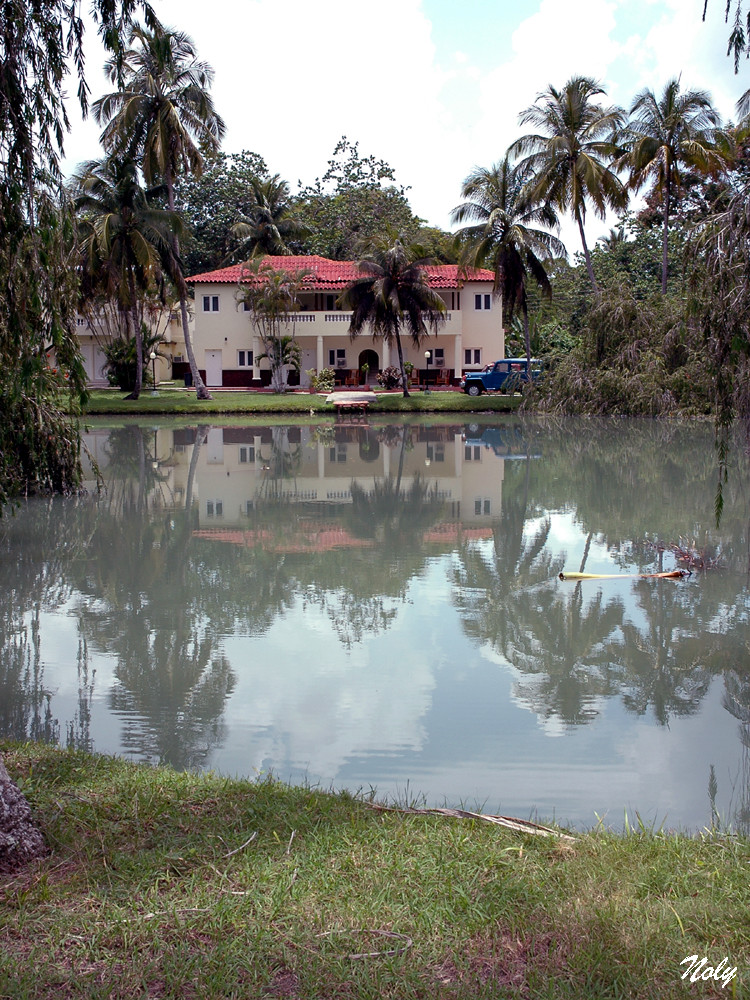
665,134
270,221
124,240
568,157
163,116
391,292
505,236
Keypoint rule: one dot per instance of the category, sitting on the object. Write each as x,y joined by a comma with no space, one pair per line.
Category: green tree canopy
270,222
356,199
212,203
568,158
665,134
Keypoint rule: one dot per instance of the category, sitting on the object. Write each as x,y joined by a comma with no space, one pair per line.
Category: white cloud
291,78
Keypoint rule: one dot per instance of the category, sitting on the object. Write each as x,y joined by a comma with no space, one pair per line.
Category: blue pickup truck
502,376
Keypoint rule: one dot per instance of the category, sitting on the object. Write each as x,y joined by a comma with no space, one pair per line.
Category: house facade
227,346
97,329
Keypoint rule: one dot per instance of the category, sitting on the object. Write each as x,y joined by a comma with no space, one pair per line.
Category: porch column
385,355
319,352
457,352
257,349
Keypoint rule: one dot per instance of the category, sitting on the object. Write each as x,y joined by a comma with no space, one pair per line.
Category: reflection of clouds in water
308,703
676,758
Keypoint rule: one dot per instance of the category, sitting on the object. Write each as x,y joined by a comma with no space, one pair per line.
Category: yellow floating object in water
675,574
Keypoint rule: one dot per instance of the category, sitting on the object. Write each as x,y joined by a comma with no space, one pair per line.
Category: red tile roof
335,275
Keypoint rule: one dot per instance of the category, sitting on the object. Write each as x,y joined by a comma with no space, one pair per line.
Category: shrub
323,380
389,378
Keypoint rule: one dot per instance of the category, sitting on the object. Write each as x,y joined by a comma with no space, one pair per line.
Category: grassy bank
176,885
183,401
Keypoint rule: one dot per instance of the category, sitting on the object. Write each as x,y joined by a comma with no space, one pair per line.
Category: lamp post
428,359
152,355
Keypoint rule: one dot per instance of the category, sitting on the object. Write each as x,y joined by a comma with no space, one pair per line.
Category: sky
431,86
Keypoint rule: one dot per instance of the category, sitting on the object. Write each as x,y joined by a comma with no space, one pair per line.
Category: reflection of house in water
239,470
243,468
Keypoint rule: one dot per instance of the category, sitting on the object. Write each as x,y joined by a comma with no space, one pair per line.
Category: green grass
183,401
162,884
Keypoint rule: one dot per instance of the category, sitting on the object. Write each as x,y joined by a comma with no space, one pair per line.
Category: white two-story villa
227,347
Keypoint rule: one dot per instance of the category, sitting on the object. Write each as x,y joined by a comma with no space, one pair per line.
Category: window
337,453
246,307
337,357
210,303
247,454
244,359
482,301
472,453
214,508
436,452
477,301
482,506
438,356
488,302
472,356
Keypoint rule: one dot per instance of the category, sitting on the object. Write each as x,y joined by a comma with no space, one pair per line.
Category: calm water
378,607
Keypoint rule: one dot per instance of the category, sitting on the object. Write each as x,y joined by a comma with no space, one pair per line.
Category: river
377,606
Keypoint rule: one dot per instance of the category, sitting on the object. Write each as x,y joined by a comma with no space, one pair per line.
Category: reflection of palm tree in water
280,463
360,591
656,665
394,516
510,598
173,681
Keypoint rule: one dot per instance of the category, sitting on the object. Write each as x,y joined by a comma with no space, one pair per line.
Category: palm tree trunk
665,236
586,254
527,339
201,391
404,383
137,335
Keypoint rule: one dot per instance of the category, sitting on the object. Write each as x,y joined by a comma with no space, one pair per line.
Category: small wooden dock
355,410
352,405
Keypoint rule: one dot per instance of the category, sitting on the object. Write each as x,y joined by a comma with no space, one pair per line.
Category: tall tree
163,115
124,239
568,158
270,222
664,135
505,236
391,292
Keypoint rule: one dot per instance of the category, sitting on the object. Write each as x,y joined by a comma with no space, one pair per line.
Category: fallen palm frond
389,953
519,825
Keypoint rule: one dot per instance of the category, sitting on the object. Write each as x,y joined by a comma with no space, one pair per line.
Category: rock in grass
20,839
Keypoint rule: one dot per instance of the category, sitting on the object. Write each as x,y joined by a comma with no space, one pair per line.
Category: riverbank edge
107,402
166,883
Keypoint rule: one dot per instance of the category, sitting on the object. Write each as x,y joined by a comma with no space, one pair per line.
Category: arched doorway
369,358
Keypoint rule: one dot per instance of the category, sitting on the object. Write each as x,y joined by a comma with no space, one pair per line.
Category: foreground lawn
176,885
112,401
